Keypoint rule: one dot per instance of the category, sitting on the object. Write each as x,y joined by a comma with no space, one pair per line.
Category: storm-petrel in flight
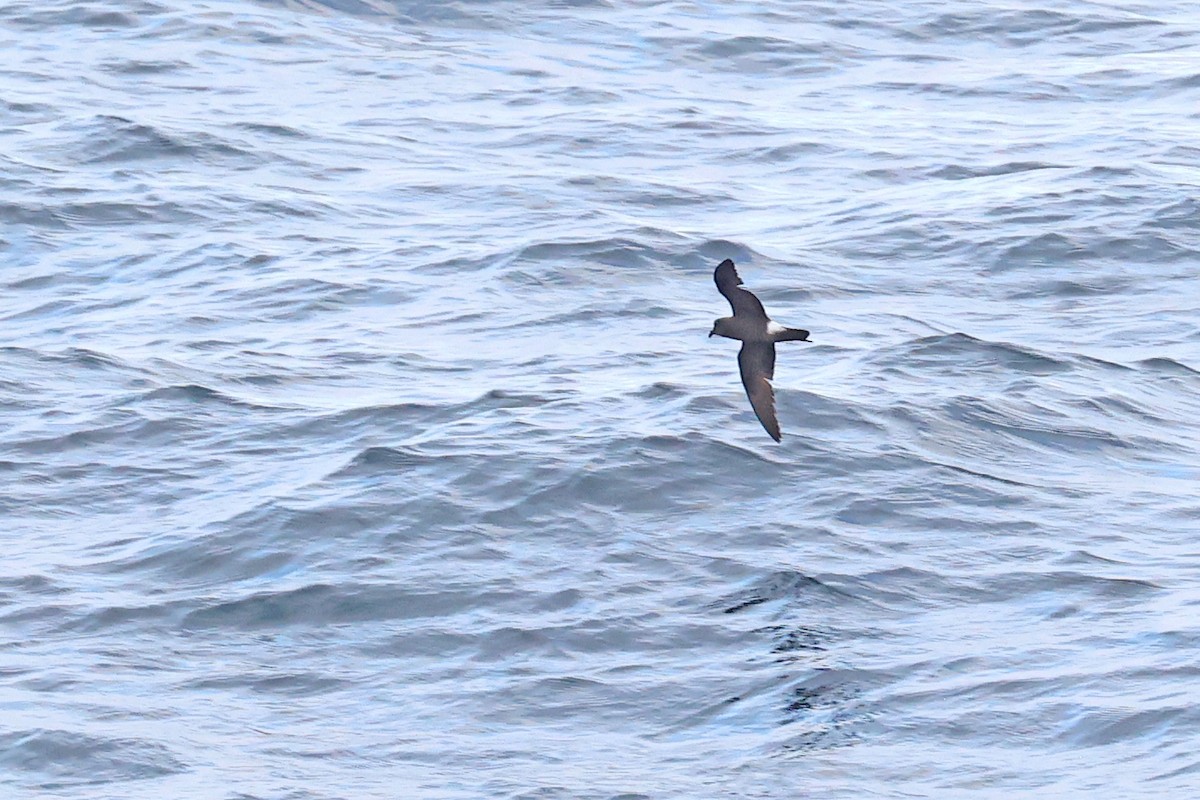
758,334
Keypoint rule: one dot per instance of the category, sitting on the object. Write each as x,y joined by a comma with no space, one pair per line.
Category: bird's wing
729,284
757,363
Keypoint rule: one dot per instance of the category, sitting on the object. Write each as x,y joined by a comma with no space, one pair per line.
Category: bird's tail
792,335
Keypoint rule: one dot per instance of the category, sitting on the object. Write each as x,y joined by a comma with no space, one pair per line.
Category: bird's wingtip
727,266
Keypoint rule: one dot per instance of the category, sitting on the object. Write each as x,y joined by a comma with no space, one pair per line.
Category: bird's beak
710,333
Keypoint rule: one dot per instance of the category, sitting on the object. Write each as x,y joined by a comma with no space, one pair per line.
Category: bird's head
721,328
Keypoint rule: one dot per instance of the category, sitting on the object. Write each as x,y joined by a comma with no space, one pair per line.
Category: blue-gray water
360,436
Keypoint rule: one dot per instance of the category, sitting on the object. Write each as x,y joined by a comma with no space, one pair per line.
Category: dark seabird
758,334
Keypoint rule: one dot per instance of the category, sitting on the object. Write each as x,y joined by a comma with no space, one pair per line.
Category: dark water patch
1182,84
784,586
559,698
1182,155
128,430
1145,248
465,264
1180,217
132,483
746,53
644,256
115,619
1092,362
405,12
391,419
956,353
818,413
950,491
273,129
43,311
200,322
274,684
293,209
387,461
1179,772
976,471
601,313
742,45
192,395
1068,289
296,300
320,605
473,319
138,67
1106,172
1047,430
1110,592
35,282
59,759
269,541
100,213
925,510
653,475
31,615
645,193
905,588
304,753
525,643
1023,27
784,154
825,709
269,380
88,359
925,89
46,218
118,140
568,96
1100,726
610,252
1121,410
792,643
25,107
1080,558
1167,366
663,390
77,16
1040,251
506,398
956,172
31,584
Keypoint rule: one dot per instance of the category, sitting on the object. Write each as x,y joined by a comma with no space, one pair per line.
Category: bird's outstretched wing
757,363
729,284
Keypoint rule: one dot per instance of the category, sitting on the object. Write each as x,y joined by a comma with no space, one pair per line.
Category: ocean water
361,437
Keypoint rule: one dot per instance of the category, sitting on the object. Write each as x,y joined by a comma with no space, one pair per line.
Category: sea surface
361,438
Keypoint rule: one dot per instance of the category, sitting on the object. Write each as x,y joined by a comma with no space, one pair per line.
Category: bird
758,334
